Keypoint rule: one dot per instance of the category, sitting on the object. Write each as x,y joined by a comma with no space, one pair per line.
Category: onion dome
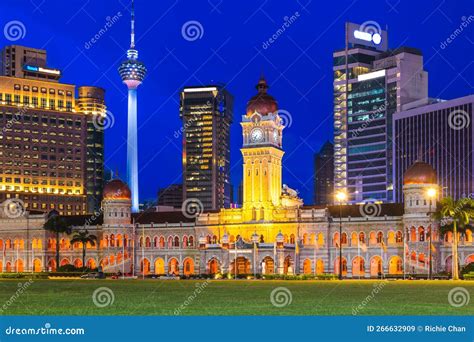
420,173
280,238
262,103
117,189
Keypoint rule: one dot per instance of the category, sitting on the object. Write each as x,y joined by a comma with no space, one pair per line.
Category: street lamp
431,193
255,241
340,197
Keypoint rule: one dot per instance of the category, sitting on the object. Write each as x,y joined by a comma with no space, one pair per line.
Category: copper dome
116,189
420,173
262,103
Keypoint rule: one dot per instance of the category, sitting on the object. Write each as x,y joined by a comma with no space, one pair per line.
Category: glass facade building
370,85
207,114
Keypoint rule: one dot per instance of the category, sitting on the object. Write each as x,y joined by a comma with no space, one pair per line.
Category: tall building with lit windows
51,144
371,83
206,113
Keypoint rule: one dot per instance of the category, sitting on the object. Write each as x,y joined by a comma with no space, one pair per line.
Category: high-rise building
206,113
171,196
51,144
439,134
371,83
132,72
324,175
91,102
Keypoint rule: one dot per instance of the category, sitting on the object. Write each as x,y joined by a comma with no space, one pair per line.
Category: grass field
230,297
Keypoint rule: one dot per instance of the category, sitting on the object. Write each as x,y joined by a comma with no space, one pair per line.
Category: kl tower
132,72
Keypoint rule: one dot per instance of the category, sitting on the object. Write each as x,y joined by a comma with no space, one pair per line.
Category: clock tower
262,154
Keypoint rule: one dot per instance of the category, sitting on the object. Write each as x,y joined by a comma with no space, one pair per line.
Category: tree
455,216
84,237
57,225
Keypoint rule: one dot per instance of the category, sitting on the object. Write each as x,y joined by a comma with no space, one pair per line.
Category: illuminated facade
132,72
272,233
207,114
51,153
371,83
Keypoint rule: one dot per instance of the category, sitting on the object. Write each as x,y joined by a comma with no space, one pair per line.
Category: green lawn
230,297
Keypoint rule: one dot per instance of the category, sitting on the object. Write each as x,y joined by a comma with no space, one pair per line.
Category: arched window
214,239
155,242
292,238
141,241
112,240
185,241
399,237
147,242
421,234
176,241
191,241
162,242
344,238
362,237
170,242
379,237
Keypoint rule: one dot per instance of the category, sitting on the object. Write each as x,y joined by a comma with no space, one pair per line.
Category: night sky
298,65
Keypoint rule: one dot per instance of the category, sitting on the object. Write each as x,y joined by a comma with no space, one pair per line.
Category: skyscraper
171,196
51,146
370,84
132,72
440,134
324,175
207,115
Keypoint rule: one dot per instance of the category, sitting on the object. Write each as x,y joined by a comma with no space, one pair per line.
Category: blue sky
298,65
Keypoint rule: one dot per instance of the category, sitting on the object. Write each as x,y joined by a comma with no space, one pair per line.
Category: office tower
132,72
441,135
371,83
91,102
324,175
171,196
206,113
45,140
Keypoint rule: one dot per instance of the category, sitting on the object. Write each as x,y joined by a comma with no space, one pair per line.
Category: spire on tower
132,23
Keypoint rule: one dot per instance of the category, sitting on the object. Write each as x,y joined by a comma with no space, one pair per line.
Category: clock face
256,135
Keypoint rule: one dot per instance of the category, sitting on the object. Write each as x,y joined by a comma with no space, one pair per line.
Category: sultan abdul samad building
273,232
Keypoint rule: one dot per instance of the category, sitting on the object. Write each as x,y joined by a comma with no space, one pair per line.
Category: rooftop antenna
132,31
